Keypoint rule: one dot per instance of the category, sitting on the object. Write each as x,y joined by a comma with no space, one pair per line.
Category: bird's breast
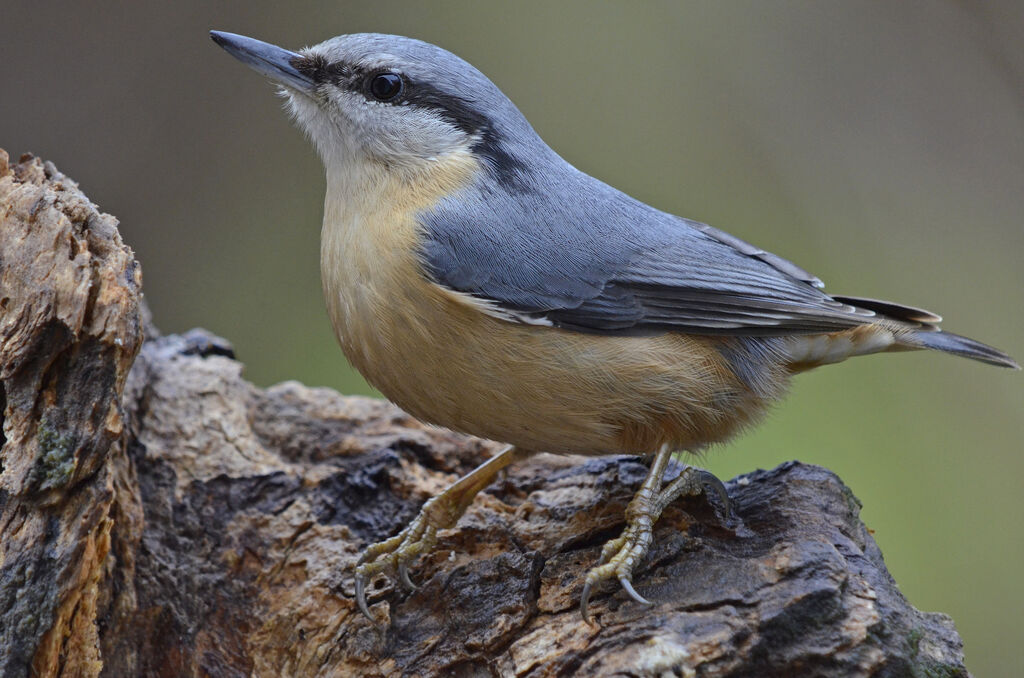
437,355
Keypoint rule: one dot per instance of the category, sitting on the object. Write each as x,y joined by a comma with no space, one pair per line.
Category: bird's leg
619,556
395,554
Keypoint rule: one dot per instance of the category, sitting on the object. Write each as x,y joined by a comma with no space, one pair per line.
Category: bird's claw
620,555
599,574
393,556
403,576
627,584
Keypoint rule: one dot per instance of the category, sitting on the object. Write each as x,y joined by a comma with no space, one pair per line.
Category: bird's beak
270,60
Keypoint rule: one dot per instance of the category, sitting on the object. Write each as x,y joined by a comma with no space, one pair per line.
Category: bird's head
391,101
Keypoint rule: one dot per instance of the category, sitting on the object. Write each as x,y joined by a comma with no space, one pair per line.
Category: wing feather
583,256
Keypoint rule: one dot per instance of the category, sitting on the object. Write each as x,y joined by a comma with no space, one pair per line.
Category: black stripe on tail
957,345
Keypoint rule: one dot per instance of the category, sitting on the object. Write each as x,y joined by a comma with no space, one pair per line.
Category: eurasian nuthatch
483,283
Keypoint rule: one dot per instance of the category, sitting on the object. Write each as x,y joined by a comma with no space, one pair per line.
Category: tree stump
160,516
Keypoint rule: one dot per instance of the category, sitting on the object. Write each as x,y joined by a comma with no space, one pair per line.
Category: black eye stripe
397,89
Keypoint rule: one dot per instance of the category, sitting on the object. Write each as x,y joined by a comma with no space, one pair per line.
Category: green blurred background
880,145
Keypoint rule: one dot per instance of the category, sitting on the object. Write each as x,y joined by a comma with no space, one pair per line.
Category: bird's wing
583,256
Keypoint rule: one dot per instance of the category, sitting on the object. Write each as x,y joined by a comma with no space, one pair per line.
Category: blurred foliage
880,145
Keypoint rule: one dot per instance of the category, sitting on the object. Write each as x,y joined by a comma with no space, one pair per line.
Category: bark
175,520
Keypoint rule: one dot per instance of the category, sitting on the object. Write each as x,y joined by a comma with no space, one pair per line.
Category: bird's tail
927,334
913,328
947,342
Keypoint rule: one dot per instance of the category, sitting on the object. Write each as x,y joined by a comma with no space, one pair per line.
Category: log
161,516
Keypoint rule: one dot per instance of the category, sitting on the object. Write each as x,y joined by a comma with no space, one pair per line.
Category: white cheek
400,135
302,109
332,135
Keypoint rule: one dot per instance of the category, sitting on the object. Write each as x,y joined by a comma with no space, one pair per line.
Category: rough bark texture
178,521
69,330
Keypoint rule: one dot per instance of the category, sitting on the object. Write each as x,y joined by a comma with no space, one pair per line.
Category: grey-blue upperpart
539,238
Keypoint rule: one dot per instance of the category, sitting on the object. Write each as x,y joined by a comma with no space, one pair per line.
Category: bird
484,284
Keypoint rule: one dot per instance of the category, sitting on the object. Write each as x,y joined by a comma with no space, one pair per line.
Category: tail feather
957,345
926,334
891,309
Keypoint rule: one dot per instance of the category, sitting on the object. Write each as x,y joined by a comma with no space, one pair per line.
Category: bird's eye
386,86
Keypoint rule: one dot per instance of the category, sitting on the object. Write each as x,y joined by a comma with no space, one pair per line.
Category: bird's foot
621,555
394,556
